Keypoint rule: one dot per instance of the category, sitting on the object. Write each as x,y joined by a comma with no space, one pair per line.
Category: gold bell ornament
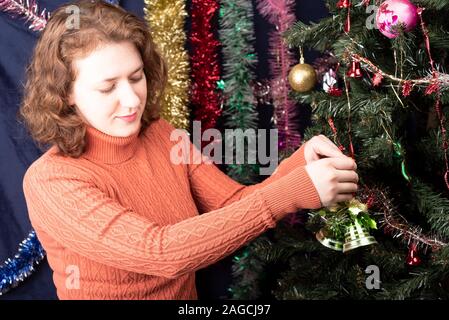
302,77
329,242
353,229
357,236
326,237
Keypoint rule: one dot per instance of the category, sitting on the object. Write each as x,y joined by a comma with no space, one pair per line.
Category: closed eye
107,90
136,79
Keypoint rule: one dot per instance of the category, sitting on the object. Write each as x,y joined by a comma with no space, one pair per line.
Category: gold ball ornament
302,77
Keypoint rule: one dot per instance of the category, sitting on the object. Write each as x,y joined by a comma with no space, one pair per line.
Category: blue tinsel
114,2
17,269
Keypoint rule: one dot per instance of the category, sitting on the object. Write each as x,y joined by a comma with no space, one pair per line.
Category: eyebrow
115,78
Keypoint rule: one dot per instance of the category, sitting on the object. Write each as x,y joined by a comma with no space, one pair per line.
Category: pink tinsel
28,9
281,14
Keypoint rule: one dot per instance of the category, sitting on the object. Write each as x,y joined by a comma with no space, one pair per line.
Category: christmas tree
382,96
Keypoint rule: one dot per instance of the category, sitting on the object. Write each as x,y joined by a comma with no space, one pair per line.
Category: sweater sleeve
212,189
63,202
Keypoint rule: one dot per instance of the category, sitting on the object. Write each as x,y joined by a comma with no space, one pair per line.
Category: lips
129,118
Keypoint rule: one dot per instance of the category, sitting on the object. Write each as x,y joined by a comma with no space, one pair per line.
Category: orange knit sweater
124,222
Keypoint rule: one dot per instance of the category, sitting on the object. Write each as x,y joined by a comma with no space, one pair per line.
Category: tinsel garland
280,13
239,56
27,9
205,75
442,78
397,226
17,269
166,21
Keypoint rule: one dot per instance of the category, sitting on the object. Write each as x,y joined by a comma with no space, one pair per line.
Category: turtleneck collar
109,149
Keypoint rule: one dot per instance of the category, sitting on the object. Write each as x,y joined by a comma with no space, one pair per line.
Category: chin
128,130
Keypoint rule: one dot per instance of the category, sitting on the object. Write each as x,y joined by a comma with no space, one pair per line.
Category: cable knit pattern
127,223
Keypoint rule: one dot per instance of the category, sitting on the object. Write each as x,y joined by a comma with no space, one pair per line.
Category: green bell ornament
347,226
328,242
357,236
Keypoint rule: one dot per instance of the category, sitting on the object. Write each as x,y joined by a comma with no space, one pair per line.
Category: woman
117,218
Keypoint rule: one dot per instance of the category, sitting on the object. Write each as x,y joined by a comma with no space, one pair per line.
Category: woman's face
111,84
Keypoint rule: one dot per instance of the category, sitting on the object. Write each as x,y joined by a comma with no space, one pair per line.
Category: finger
347,176
344,163
344,197
328,141
326,151
327,148
347,187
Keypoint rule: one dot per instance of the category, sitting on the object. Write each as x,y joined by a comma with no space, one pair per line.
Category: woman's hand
335,179
321,147
312,150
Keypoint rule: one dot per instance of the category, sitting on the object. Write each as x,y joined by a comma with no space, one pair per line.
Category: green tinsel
239,59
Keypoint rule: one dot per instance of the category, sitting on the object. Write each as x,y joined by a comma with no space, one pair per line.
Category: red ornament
412,258
346,4
335,92
354,71
343,4
347,27
377,78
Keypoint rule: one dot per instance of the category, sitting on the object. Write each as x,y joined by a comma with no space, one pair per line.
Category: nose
128,96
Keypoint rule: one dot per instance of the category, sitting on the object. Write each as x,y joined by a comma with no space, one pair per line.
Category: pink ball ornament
394,12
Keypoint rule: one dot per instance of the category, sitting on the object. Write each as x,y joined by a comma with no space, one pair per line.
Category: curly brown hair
45,110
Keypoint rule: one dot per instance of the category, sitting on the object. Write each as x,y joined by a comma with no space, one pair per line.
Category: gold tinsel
165,19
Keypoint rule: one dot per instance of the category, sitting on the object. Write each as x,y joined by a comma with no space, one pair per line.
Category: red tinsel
205,98
377,79
407,88
432,88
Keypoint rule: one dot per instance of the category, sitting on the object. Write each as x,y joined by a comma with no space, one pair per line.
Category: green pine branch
434,206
